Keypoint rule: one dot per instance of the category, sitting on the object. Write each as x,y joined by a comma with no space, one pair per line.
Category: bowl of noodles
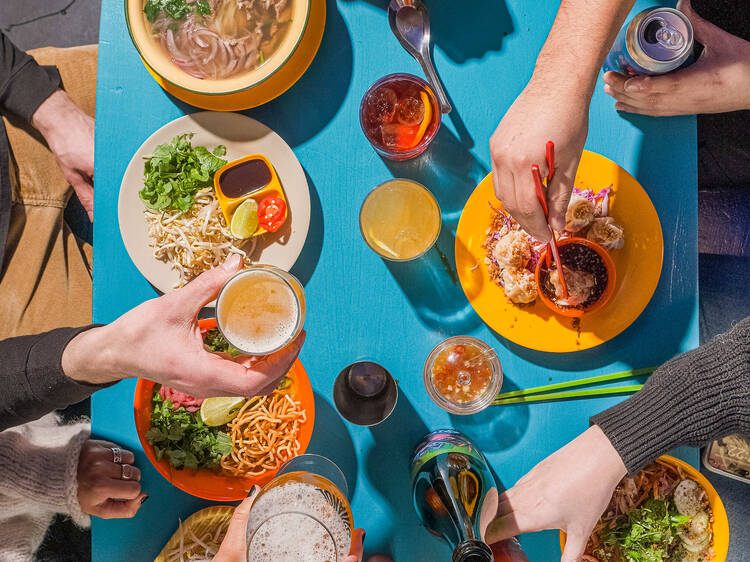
668,511
222,461
216,47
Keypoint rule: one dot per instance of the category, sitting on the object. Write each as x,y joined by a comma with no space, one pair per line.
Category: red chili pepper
271,213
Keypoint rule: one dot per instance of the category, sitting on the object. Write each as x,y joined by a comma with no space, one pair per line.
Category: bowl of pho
216,47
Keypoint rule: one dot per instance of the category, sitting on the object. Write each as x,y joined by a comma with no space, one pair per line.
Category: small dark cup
365,393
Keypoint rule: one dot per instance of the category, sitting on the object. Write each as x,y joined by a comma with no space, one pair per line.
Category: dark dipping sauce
245,178
578,258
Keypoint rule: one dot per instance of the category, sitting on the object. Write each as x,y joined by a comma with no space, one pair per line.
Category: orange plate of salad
218,448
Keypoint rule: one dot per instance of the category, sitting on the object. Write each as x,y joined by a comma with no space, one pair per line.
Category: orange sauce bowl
600,302
208,484
720,526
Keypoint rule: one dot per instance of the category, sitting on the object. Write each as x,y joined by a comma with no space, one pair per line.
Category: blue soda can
655,41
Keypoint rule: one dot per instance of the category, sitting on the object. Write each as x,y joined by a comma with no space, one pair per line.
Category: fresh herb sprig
175,9
647,533
176,171
216,342
183,438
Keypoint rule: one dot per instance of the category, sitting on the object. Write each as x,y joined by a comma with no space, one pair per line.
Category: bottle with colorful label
456,497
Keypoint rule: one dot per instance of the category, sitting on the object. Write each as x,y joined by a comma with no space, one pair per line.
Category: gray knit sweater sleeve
696,397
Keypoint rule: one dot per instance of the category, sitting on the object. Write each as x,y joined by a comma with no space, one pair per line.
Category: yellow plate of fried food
638,265
199,536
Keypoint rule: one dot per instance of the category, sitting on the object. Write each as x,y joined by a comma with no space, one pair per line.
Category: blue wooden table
361,307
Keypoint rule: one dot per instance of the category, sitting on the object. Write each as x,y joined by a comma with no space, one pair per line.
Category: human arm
718,82
701,395
59,469
34,94
696,397
554,106
159,340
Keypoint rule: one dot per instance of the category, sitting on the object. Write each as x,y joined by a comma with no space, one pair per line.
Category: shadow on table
334,442
449,169
496,428
308,258
459,33
431,285
308,106
388,466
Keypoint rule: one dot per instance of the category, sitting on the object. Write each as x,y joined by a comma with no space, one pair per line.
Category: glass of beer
302,514
261,309
400,220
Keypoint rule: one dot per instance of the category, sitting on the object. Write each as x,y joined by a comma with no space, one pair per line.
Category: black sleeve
32,380
696,397
24,85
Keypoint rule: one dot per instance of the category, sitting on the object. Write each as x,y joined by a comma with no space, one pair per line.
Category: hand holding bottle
568,490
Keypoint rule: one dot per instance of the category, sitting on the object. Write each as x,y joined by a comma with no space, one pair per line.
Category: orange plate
638,266
271,88
720,525
204,483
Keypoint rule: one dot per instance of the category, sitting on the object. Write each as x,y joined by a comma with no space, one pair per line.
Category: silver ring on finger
116,455
127,472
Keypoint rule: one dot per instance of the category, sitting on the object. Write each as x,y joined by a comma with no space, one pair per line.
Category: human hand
107,489
719,81
569,490
69,133
539,114
160,341
234,546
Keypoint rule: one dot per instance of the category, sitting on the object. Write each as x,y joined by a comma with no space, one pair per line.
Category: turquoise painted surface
361,307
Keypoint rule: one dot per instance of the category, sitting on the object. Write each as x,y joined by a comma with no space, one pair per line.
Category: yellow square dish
250,177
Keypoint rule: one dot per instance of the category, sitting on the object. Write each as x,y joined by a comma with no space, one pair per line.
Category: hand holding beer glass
160,340
302,514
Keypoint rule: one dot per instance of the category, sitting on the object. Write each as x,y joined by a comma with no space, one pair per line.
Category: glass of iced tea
261,309
400,116
400,220
302,514
462,375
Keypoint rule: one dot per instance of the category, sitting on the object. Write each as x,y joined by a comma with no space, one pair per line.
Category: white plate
241,135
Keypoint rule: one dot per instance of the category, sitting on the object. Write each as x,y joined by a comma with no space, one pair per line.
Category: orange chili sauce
461,373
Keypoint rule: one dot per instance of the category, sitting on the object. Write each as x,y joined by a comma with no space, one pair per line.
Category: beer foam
258,312
295,522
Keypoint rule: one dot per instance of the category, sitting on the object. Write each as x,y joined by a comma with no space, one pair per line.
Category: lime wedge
218,411
245,219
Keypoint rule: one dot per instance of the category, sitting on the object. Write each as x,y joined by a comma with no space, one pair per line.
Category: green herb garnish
216,342
175,9
647,533
183,438
176,171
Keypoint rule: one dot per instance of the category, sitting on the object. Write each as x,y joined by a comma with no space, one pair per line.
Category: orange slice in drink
426,120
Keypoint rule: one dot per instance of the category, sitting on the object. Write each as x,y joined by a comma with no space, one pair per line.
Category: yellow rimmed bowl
720,525
158,60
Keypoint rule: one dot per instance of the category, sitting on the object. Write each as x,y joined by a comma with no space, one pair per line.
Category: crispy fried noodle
265,434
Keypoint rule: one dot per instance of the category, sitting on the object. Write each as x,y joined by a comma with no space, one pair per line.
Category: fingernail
232,262
633,86
144,498
254,490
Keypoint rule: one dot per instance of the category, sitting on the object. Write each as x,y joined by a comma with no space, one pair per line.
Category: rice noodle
196,240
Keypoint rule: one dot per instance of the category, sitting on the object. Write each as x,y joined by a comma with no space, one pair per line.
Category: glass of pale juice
400,220
261,309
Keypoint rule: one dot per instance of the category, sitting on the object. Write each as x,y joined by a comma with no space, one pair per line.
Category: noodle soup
216,46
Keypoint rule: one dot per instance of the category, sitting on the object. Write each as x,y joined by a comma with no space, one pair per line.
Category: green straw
579,382
566,395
